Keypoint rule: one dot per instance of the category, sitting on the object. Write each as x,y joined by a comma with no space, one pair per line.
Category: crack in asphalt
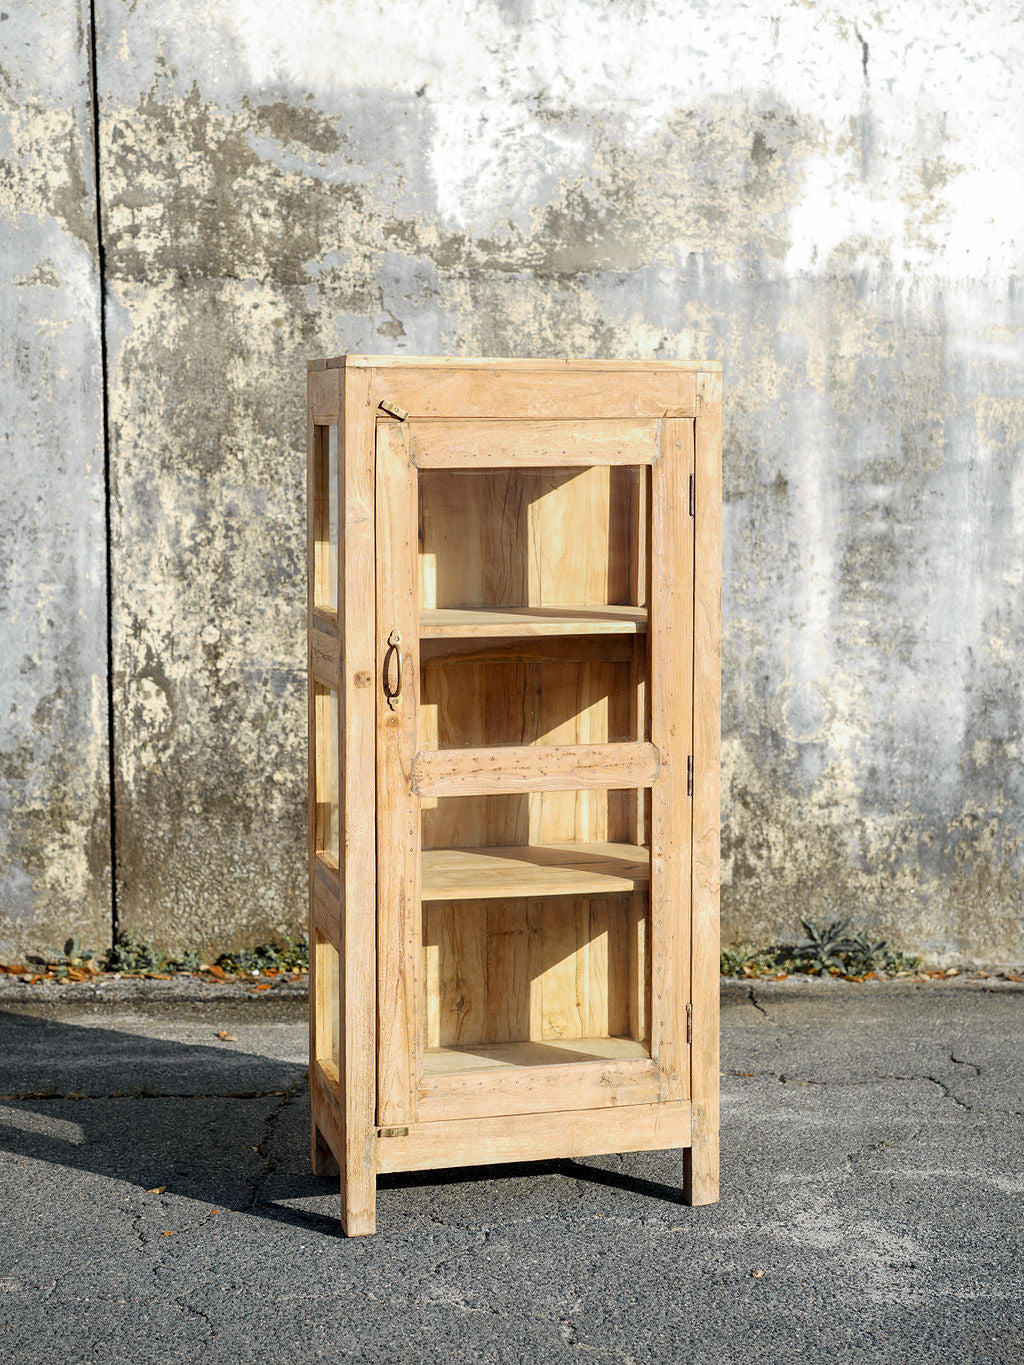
947,1092
269,1126
962,1061
783,1079
752,997
199,1313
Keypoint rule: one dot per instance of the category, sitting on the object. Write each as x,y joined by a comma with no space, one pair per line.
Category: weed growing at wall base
133,955
827,949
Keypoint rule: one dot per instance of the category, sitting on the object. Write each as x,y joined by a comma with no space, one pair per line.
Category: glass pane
533,606
325,518
541,538
327,1009
326,829
535,929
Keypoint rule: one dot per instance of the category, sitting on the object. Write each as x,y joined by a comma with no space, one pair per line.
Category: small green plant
131,953
826,946
285,957
827,949
732,959
190,961
896,961
866,954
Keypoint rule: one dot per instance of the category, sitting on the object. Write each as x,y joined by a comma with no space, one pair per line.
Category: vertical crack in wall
101,264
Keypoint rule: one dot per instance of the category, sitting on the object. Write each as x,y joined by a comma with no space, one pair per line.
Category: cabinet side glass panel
325,762
325,518
326,970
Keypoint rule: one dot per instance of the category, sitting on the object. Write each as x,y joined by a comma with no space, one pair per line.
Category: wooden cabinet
513,764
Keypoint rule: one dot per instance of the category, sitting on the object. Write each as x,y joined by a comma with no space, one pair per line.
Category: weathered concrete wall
827,200
54,806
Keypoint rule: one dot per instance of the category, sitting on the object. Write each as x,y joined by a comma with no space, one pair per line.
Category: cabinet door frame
401,1086
399,907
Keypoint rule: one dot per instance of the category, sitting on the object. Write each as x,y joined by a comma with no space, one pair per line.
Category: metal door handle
394,648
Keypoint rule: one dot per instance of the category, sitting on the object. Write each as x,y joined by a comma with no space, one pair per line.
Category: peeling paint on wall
827,202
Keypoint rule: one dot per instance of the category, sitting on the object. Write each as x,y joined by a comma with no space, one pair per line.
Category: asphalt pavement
157,1203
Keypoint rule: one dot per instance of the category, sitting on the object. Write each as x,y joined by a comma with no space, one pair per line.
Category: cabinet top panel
433,362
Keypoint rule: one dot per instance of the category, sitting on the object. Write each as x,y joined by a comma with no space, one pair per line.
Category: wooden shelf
446,1061
460,874
513,623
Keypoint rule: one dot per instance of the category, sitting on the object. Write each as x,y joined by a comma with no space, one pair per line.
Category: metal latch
393,410
689,1024
392,1132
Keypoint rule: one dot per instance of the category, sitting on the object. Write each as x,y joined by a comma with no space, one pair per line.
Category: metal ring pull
394,648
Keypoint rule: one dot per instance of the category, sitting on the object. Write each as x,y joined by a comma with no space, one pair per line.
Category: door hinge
392,1132
689,1024
393,410
689,775
693,498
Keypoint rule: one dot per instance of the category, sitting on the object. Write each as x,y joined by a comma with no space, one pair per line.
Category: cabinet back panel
518,970
505,701
596,816
518,538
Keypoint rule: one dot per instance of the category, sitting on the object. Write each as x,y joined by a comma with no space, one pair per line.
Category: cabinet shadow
207,1123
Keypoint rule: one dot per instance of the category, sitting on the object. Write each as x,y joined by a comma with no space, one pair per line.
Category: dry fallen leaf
168,1233
227,1037
758,1274
264,988
157,1189
216,971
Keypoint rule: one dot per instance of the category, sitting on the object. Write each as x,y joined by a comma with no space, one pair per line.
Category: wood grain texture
486,444
536,1137
400,1042
357,722
523,969
508,539
530,1078
552,395
556,767
564,869
326,1007
571,648
324,390
324,657
671,635
325,914
700,1171
566,1054
522,622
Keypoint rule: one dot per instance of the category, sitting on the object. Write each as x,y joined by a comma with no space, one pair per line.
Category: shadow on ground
208,1115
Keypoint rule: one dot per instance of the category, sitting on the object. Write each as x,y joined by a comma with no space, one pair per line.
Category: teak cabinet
514,624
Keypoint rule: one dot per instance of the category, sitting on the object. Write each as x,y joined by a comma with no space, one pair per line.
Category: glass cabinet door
534,636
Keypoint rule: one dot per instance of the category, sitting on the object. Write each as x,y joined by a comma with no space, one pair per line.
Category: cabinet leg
700,1164
359,1203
